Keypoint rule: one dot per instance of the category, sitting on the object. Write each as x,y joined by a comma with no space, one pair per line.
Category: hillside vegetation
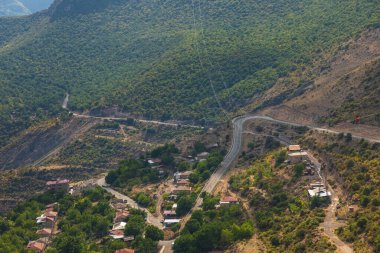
163,59
354,166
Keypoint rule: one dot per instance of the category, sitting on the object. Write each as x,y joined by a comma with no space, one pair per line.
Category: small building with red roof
60,184
36,246
117,233
121,216
45,232
228,200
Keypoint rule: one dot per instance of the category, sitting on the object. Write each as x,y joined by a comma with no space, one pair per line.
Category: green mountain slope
163,59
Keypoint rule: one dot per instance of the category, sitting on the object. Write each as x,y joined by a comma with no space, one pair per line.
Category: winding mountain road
226,164
232,155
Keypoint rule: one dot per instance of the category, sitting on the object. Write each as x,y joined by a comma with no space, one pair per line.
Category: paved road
226,164
156,221
233,153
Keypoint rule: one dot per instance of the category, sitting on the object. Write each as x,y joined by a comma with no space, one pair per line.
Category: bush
298,170
154,233
143,199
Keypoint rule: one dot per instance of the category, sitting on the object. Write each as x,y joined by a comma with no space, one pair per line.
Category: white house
169,222
119,226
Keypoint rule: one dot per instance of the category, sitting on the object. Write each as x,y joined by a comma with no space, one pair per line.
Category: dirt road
156,221
330,224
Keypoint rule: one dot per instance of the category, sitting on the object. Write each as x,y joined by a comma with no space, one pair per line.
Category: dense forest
163,59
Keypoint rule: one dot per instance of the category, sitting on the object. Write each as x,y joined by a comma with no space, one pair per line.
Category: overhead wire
202,64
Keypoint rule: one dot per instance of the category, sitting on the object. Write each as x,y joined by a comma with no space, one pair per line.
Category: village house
51,214
45,240
119,226
294,148
170,222
228,201
297,157
190,159
117,234
319,192
119,206
174,207
154,161
316,184
202,156
36,246
170,214
46,222
183,182
48,218
126,250
45,232
59,185
212,146
182,175
318,189
179,189
121,216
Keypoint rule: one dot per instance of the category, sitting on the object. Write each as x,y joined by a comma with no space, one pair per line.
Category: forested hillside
163,59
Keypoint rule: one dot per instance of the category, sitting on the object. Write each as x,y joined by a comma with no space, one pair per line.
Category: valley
189,126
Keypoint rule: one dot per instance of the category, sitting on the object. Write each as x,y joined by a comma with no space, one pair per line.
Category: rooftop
172,220
319,191
122,214
294,147
57,182
229,199
169,212
44,231
203,154
117,232
38,246
119,225
303,153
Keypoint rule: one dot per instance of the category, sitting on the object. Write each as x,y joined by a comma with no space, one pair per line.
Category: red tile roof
229,199
122,214
39,246
44,231
117,232
294,147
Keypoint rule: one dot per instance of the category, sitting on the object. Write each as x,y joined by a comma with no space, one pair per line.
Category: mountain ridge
163,60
